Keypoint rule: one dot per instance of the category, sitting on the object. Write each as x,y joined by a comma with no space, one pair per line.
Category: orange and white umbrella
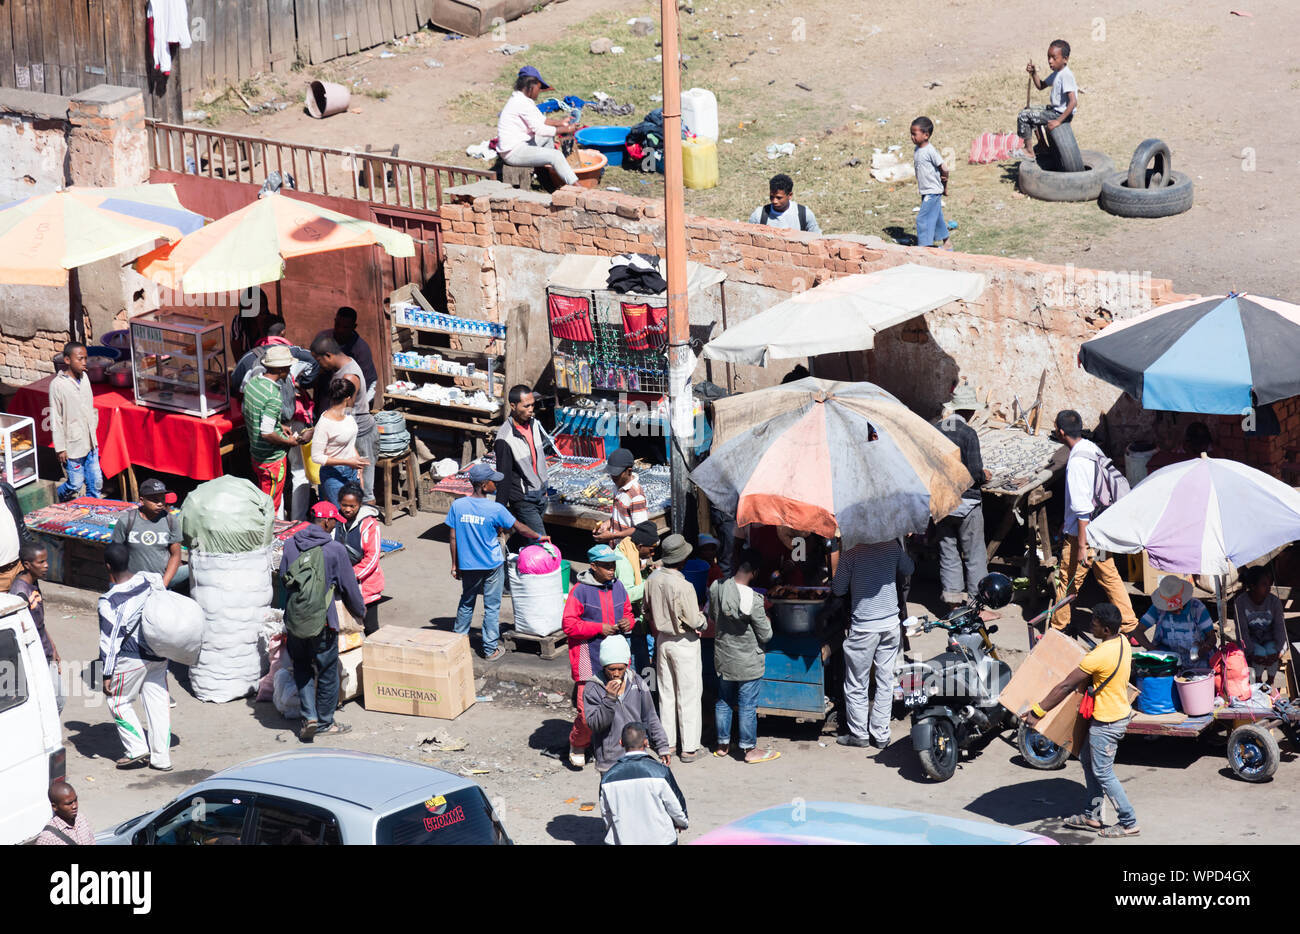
830,458
248,247
44,236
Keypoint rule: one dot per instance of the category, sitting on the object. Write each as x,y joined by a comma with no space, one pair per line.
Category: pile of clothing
394,439
635,273
645,139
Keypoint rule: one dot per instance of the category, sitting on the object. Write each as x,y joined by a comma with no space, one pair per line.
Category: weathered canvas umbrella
44,236
842,314
1203,516
248,247
1207,355
830,457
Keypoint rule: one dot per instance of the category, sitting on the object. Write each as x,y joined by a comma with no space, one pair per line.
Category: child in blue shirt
932,182
476,557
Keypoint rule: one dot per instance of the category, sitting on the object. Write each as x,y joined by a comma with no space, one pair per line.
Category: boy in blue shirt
476,557
932,183
1062,101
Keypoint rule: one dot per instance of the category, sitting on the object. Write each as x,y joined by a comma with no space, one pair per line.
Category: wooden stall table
132,435
1023,467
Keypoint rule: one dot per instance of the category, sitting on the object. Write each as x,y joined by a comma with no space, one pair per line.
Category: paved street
1181,789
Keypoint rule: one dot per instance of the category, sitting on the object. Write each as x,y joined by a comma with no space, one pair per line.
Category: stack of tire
1062,171
1150,187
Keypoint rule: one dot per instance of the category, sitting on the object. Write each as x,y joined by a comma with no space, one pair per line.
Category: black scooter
954,696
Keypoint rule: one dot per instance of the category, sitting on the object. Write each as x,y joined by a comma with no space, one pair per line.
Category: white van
31,737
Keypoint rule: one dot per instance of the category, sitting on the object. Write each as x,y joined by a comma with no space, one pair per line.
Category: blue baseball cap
601,554
482,473
528,71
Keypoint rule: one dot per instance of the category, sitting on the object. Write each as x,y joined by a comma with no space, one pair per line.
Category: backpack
803,216
1231,673
309,594
1108,484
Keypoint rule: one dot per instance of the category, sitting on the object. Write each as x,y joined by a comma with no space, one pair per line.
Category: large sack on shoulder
172,625
228,515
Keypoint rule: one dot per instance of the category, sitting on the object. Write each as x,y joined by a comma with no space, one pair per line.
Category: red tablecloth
169,442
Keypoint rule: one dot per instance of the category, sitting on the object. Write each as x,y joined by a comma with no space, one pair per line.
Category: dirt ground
1217,87
1181,789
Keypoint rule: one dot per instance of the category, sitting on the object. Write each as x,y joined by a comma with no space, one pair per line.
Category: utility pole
680,407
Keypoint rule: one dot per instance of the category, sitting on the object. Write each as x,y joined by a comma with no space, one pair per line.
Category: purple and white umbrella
1203,516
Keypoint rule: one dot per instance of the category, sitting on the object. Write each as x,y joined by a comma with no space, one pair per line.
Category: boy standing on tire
932,182
1063,99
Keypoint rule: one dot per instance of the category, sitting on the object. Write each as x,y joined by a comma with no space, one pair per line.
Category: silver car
320,797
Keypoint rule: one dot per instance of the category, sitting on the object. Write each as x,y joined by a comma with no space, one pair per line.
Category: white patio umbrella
842,314
1203,516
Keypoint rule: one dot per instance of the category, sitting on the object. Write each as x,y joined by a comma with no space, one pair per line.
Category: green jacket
625,575
741,634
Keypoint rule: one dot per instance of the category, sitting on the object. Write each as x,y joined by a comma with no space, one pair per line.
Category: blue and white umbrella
1207,355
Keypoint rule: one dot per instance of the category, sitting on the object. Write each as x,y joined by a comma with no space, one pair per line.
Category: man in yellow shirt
1105,670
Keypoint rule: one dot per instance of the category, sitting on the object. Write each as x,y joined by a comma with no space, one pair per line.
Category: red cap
325,510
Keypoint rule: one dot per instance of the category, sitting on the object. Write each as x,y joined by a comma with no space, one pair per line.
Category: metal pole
681,424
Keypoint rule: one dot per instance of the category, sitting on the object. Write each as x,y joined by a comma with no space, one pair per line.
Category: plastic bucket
325,99
592,167
1195,693
607,140
1157,694
696,570
564,575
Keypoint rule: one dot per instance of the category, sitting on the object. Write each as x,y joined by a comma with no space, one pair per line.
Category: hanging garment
168,21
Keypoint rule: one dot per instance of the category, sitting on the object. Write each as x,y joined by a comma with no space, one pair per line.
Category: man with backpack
315,568
1092,483
782,210
153,535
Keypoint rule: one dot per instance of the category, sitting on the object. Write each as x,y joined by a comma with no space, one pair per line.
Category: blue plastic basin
608,140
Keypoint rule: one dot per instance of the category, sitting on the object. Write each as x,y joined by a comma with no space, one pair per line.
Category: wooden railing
364,176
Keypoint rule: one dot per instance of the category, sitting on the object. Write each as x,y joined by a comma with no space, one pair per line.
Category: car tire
1068,156
1119,199
1253,754
1039,751
1160,175
1046,185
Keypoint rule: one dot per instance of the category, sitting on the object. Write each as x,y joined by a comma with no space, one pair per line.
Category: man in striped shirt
268,440
130,669
630,506
868,574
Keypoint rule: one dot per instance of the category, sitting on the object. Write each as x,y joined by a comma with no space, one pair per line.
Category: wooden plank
67,43
6,45
22,77
91,57
423,12
53,54
280,21
113,39
364,11
410,14
381,24
259,40
230,38
36,44
135,54
81,39
354,11
328,44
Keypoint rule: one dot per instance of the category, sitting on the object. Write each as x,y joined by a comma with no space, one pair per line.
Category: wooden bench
516,176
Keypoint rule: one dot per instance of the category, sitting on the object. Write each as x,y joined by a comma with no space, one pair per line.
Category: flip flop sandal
1082,822
128,762
768,756
334,729
1118,830
719,754
497,653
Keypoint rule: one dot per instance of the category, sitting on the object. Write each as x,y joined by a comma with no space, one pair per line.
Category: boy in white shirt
1064,94
931,184
524,136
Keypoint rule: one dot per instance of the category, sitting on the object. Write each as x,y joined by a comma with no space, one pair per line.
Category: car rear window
458,818
13,680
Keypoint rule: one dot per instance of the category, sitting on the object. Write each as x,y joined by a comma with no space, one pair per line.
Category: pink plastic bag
995,147
539,559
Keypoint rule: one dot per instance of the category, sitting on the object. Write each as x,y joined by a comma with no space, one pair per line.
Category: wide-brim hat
963,397
277,357
1172,594
676,549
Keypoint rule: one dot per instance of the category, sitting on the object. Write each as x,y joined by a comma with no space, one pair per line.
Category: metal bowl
795,617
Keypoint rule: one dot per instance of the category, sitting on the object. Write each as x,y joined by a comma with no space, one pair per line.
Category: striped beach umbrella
830,458
1202,516
44,236
1207,355
248,247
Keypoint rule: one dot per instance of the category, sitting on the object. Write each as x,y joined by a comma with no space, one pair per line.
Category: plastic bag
538,600
172,625
539,559
228,515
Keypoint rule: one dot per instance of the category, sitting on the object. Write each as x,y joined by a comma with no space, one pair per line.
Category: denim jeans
316,674
333,478
83,471
931,228
733,695
489,583
1098,758
529,511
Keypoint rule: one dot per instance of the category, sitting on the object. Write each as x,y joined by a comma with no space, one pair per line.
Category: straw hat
277,357
1172,594
963,397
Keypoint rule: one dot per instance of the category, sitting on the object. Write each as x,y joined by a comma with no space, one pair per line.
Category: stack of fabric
394,439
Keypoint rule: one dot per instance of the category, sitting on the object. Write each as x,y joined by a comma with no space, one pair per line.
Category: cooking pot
795,617
119,374
97,368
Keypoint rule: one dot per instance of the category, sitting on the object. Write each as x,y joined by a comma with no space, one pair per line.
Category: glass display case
179,362
18,442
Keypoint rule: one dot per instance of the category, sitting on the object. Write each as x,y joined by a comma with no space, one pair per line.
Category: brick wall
1031,317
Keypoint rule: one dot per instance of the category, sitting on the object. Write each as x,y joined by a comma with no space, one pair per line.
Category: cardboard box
421,672
1051,661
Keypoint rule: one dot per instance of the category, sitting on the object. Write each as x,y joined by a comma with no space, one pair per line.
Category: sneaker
577,758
